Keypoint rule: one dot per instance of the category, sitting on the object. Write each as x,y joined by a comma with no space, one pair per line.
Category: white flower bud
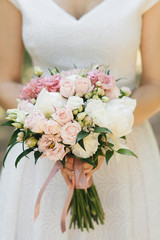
98,84
33,100
81,116
100,92
126,90
95,97
75,112
80,109
19,139
31,142
81,123
21,135
105,99
17,125
38,71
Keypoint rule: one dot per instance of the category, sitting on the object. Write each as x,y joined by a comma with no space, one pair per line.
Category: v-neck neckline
83,16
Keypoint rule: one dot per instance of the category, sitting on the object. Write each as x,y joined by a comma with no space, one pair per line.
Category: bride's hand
68,171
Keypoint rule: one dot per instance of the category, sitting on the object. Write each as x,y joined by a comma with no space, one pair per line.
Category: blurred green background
5,132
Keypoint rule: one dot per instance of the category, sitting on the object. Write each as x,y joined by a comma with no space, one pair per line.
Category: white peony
74,102
96,109
91,145
116,115
121,113
48,102
73,77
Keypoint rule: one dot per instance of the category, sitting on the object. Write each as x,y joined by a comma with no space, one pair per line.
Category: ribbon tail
57,166
66,206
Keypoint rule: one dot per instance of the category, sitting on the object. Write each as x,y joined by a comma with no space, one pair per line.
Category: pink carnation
93,76
51,147
32,89
108,82
52,83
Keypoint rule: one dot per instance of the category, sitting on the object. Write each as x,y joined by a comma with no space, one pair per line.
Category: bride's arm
11,54
148,94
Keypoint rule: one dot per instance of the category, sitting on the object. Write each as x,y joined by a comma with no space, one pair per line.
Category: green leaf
82,134
123,94
28,133
23,154
101,130
50,71
108,72
88,160
75,66
110,145
81,143
10,147
63,161
8,123
37,155
127,152
108,155
119,79
14,137
123,137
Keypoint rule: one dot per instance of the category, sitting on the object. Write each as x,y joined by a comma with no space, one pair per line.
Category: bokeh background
5,132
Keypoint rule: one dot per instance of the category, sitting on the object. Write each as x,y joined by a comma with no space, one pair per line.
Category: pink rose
52,127
52,83
108,82
83,85
51,147
25,105
67,87
63,115
35,122
113,93
69,132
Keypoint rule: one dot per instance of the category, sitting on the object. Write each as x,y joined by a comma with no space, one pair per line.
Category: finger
88,176
87,165
86,171
68,181
68,171
69,165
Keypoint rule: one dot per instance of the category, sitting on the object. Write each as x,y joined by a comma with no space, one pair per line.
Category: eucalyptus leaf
127,152
82,134
37,155
10,147
23,154
108,155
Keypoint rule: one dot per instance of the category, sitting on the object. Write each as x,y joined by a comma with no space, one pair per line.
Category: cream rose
67,87
83,86
52,127
35,122
75,102
69,132
63,115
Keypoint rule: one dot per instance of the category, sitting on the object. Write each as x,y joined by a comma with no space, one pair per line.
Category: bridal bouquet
81,115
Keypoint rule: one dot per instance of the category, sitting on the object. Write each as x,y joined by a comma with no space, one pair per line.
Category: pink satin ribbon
78,181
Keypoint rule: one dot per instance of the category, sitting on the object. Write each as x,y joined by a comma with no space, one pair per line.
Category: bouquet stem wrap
78,182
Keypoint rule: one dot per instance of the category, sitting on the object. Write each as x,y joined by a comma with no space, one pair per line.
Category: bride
62,33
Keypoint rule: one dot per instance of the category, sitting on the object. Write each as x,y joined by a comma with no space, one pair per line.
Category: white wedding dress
109,34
